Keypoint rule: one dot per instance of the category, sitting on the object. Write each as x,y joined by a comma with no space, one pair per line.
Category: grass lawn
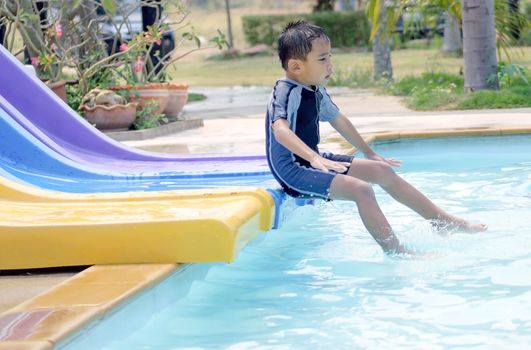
264,70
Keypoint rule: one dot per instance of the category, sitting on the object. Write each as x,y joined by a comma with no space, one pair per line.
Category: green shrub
511,74
74,96
147,117
525,34
195,97
427,81
507,98
345,29
442,91
353,78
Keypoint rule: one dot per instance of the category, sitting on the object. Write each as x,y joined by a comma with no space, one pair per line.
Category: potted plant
131,60
56,35
43,39
107,110
146,57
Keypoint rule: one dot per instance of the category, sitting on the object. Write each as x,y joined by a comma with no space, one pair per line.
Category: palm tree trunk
381,50
479,45
452,42
229,24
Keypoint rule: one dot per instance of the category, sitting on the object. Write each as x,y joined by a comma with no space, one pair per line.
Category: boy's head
304,52
296,39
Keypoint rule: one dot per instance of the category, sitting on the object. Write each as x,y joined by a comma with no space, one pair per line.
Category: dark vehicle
414,24
128,22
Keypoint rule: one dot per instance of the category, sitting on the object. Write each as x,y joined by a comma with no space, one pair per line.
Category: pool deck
37,311
238,128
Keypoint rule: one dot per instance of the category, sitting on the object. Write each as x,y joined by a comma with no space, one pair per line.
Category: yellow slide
40,228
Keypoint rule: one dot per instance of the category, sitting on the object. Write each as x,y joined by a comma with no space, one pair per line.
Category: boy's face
317,67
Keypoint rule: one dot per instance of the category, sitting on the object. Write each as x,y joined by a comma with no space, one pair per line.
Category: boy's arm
349,132
291,141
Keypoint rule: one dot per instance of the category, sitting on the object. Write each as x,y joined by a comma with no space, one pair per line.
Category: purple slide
36,108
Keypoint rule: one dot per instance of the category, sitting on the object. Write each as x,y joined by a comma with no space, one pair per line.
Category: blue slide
27,159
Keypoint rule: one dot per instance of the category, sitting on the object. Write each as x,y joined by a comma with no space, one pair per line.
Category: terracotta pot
178,96
117,117
59,88
146,92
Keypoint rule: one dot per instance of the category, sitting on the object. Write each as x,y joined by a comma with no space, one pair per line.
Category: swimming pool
322,282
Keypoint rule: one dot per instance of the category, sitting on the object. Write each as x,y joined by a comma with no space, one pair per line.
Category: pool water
321,282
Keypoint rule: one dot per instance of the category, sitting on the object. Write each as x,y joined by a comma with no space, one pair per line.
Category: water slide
41,228
71,199
28,101
29,160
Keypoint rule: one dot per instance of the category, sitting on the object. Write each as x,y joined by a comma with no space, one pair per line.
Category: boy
298,102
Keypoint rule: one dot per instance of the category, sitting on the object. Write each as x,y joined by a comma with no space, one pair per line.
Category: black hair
295,41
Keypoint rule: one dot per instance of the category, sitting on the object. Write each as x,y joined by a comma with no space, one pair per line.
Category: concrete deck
236,124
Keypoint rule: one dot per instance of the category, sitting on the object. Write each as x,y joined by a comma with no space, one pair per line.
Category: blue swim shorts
299,179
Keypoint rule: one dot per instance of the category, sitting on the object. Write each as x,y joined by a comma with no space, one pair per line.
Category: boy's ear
294,66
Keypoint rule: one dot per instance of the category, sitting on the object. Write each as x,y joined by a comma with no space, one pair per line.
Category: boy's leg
349,188
382,174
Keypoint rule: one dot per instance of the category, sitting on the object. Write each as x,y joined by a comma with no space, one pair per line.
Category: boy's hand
324,164
390,161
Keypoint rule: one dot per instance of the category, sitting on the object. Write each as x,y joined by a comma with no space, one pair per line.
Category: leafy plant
147,117
195,97
69,34
426,81
442,91
352,77
142,59
74,96
508,73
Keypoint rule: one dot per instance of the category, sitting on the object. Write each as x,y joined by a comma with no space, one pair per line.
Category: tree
479,37
479,45
452,40
324,5
229,24
514,7
349,5
383,67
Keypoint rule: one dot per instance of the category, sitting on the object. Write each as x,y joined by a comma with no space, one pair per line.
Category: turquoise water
321,282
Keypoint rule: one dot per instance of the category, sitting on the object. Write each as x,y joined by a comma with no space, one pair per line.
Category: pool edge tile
47,318
480,131
512,130
26,345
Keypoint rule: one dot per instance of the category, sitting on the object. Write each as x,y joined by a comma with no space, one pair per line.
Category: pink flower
53,47
34,61
124,47
138,65
159,36
58,30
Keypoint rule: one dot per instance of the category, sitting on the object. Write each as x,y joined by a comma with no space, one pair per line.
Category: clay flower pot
146,92
177,98
117,117
59,88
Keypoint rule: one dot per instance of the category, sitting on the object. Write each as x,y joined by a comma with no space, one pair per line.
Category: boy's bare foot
472,228
457,224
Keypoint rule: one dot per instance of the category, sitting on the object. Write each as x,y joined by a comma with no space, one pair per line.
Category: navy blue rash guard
303,108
